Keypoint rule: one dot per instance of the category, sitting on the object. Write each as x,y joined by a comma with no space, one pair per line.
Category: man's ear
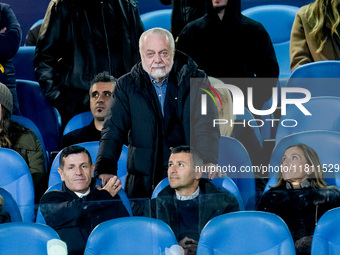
92,169
61,173
198,174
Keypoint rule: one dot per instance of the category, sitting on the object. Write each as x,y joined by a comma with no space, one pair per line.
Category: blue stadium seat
131,235
10,205
30,124
326,238
92,147
34,106
325,143
278,20
17,238
248,232
78,121
249,116
227,183
23,63
158,18
320,78
16,179
325,116
150,5
232,156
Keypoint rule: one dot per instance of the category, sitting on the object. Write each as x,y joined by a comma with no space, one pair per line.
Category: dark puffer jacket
134,117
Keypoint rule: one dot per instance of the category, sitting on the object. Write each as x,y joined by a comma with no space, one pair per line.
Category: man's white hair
159,31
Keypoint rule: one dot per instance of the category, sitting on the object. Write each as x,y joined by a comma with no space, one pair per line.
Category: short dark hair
103,77
195,158
73,149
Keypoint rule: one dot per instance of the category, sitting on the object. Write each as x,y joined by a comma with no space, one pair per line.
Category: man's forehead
77,158
181,156
102,85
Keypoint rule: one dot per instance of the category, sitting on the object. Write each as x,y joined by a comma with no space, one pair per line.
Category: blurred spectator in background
4,215
33,34
224,43
78,40
183,12
300,196
10,39
22,140
315,33
101,90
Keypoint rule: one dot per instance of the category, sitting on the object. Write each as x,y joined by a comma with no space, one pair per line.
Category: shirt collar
80,195
190,197
154,82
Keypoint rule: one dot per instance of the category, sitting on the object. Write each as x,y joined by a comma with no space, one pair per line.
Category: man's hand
112,186
189,245
105,178
3,30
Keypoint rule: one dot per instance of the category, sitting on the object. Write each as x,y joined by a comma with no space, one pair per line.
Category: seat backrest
326,238
233,159
10,205
16,179
34,106
248,116
150,236
158,18
92,147
78,121
17,238
248,232
228,184
325,115
23,63
30,125
321,78
325,143
37,23
278,21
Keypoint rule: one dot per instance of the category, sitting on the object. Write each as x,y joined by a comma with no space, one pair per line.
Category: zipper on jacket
106,37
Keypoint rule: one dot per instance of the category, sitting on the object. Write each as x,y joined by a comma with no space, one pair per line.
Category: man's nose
158,58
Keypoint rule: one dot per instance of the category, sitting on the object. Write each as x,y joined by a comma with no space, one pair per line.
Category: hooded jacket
80,38
183,12
234,47
134,116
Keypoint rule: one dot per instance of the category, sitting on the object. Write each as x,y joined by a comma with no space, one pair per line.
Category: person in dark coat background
151,109
10,39
78,40
224,43
183,12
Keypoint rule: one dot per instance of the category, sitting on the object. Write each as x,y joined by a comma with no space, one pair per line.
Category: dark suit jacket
74,218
